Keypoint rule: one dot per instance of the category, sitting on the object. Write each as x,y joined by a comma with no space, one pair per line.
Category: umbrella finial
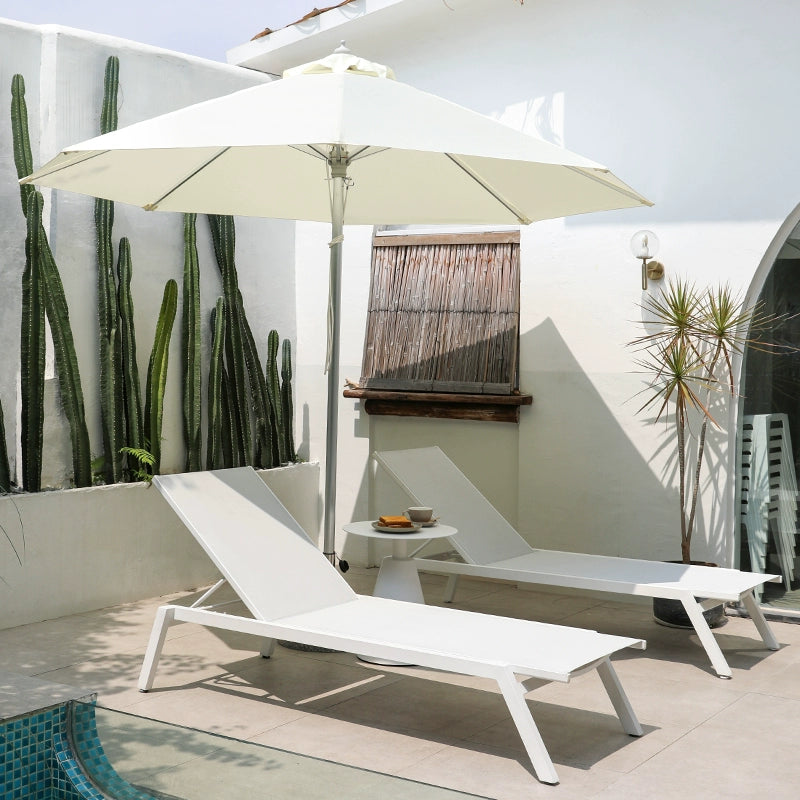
341,60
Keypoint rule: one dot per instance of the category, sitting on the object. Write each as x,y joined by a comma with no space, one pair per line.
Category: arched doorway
769,434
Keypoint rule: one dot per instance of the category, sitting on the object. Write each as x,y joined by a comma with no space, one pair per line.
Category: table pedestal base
398,579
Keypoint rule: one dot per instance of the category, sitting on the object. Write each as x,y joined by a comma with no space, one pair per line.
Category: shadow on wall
484,365
584,484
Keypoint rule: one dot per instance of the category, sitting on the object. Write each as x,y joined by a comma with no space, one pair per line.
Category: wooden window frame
411,395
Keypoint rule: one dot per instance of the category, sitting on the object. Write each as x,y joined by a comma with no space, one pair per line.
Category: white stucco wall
688,102
63,71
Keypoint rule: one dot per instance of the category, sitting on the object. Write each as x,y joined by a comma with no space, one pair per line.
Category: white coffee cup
419,513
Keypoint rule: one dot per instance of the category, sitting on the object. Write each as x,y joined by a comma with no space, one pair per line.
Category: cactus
52,292
224,239
265,450
108,113
222,424
287,404
240,347
112,406
214,450
32,353
191,341
69,379
157,372
229,424
274,392
131,391
22,141
5,472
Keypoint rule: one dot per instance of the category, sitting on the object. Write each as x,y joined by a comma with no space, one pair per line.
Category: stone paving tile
703,737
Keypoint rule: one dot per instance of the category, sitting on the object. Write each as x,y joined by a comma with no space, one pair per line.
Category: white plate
430,524
387,529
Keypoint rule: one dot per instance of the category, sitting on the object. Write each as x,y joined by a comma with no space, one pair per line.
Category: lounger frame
491,548
260,551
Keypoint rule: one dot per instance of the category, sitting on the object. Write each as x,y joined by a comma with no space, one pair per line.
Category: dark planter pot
672,614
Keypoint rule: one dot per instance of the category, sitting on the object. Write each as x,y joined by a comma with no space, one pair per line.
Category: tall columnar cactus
287,403
229,424
224,238
69,378
265,450
23,157
157,372
52,292
246,378
132,394
274,389
191,341
5,472
112,408
32,351
32,340
216,420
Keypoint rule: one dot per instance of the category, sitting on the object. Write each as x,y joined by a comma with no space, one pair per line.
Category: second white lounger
491,548
294,593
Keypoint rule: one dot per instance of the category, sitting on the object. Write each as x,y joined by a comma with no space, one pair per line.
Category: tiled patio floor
704,737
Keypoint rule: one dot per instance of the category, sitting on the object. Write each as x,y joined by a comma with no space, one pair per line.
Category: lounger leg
514,694
757,615
707,639
450,589
267,647
619,699
164,618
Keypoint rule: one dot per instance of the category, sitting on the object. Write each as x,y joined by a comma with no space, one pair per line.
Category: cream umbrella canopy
339,141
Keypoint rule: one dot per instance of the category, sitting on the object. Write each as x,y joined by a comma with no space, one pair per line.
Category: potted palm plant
687,357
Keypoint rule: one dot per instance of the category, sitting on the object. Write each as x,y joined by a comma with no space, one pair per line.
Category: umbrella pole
338,176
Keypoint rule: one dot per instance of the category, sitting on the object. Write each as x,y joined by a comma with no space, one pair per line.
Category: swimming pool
57,743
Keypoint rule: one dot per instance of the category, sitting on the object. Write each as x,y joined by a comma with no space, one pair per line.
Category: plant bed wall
85,549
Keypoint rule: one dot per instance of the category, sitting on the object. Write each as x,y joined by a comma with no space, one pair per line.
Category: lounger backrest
432,479
256,544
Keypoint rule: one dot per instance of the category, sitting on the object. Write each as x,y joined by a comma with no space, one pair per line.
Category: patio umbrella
338,140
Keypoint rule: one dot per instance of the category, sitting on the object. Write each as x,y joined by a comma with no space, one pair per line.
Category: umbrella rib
77,158
523,220
154,206
366,150
309,150
595,176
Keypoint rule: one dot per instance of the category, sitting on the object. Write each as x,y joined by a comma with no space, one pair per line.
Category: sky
198,27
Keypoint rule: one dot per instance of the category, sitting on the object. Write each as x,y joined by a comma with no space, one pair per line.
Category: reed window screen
443,314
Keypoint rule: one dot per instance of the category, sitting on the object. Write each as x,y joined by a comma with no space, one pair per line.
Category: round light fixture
644,246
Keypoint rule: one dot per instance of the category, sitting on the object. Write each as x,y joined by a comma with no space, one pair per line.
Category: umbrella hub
338,159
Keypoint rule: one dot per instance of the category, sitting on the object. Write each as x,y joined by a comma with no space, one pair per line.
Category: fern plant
145,463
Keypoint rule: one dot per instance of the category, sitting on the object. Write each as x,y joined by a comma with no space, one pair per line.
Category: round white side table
397,577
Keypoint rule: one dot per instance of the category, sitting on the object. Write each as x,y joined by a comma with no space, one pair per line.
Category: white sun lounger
492,548
294,593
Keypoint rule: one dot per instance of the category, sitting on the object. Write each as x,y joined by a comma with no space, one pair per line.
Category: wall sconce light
644,245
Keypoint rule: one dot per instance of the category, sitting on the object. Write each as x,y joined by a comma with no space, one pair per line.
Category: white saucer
389,529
